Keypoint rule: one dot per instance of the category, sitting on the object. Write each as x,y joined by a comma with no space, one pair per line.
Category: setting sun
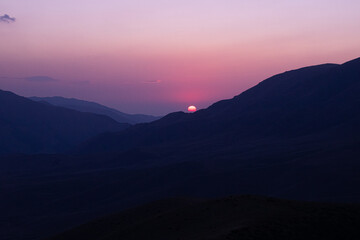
192,109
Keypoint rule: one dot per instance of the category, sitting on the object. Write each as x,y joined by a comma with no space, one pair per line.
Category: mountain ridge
93,107
293,103
31,127
298,139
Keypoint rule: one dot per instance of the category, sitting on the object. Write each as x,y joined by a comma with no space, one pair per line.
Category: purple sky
158,56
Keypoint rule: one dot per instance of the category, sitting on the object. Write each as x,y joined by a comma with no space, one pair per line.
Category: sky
160,56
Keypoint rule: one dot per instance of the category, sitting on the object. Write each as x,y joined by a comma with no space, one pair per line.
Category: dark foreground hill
30,127
92,107
244,217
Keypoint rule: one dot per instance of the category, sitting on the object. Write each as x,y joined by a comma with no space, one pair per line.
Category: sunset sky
159,56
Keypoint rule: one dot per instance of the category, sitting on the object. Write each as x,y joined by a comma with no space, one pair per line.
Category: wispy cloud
45,79
41,79
32,78
7,19
152,81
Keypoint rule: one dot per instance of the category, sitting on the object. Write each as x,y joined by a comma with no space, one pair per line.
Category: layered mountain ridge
92,107
32,127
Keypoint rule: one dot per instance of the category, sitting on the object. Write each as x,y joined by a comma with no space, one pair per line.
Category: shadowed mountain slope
244,217
30,127
92,107
308,101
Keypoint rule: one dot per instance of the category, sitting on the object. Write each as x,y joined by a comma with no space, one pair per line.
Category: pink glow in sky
159,56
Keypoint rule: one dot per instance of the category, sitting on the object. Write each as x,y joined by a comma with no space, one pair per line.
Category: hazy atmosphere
156,57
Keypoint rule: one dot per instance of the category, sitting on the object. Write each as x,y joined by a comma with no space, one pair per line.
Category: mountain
31,127
315,100
236,217
293,136
92,107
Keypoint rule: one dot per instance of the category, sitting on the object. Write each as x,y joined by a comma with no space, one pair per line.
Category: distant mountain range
295,135
31,127
231,218
92,107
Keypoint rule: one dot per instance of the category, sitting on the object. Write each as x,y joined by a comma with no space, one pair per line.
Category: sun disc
192,109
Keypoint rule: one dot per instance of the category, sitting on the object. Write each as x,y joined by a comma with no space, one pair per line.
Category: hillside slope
30,127
92,107
243,217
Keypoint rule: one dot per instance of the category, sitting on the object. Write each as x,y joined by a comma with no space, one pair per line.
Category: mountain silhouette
293,136
92,107
309,101
31,127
